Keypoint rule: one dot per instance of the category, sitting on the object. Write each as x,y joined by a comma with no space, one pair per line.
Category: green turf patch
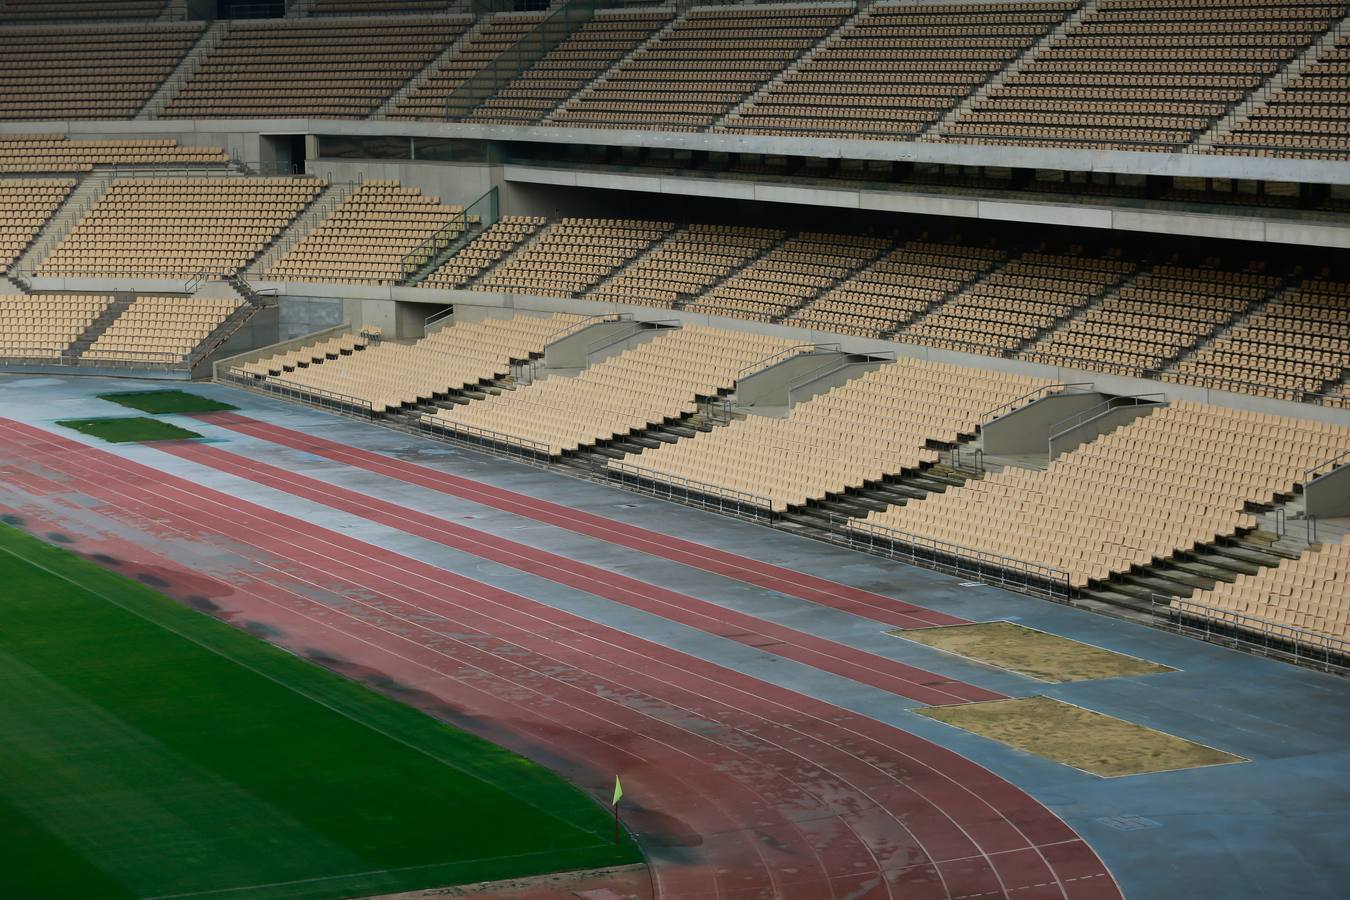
160,402
129,430
152,751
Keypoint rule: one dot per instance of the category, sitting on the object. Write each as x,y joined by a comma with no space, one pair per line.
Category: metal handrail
1334,463
273,384
1102,409
575,327
702,487
980,565
125,359
1302,645
785,354
1029,397
437,317
457,430
1238,386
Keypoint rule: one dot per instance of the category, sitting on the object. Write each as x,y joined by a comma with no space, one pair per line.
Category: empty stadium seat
43,326
158,330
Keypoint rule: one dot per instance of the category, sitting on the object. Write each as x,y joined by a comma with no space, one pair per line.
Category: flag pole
618,794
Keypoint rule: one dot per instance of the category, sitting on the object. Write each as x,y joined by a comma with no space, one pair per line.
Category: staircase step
1158,583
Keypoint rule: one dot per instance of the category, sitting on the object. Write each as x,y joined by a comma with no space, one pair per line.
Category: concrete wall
1027,430
259,331
1328,496
454,183
1108,421
305,315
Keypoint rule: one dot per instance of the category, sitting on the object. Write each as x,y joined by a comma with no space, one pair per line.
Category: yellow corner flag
618,791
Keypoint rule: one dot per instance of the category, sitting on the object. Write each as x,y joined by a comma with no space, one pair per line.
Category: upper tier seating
1018,301
876,425
646,385
492,37
897,69
333,68
390,375
80,10
484,251
1145,74
710,60
21,153
162,329
1165,483
102,71
790,274
572,255
1307,117
25,206
1310,594
309,354
364,240
899,286
364,7
1152,320
686,264
179,227
43,326
565,69
1296,345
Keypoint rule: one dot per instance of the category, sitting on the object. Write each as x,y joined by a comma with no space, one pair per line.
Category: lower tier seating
390,375
649,384
878,424
162,329
43,326
25,206
1307,598
307,355
179,227
364,240
1165,483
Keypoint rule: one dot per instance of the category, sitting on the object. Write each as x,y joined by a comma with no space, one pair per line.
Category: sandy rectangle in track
1037,654
1091,741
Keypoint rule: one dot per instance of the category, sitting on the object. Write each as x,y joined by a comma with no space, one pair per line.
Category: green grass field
148,750
132,429
160,402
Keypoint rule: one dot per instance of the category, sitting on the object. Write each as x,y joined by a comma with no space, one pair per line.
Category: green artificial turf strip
129,430
149,750
159,402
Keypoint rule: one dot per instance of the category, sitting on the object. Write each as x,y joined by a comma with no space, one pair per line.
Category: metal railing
1252,633
449,239
1238,386
1078,420
1029,397
532,46
774,359
343,404
692,492
436,318
125,359
1326,467
826,369
955,559
473,436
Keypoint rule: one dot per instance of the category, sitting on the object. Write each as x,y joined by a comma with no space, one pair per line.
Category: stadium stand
81,10
389,376
1019,301
37,153
1310,594
1154,319
161,329
104,71
179,227
44,326
365,238
1297,345
572,255
481,44
653,383
595,46
25,206
330,68
876,425
1130,497
372,7
896,70
895,289
1144,75
789,275
1307,117
708,61
497,242
687,263
280,363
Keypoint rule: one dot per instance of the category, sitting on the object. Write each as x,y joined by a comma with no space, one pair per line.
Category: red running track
867,668
776,793
866,604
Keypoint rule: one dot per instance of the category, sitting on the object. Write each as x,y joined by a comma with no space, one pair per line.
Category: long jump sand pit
1040,655
1063,733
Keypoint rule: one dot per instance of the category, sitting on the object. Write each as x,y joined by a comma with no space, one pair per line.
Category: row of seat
25,206
43,326
25,153
163,329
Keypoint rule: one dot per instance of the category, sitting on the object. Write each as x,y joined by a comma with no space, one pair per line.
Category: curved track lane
792,796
